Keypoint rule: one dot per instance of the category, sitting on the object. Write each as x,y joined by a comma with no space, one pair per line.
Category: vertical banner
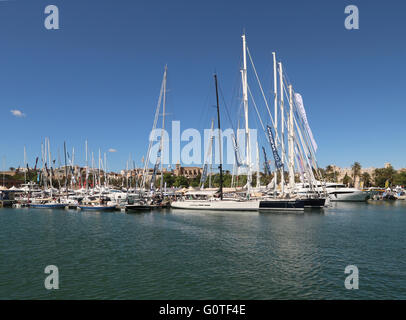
278,162
302,112
203,178
236,152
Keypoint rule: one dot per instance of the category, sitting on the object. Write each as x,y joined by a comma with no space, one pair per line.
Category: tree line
380,177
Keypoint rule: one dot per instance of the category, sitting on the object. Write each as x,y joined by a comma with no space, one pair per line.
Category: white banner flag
299,104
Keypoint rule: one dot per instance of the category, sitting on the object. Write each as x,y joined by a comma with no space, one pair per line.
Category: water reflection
205,255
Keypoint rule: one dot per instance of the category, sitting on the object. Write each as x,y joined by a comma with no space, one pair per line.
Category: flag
302,112
237,154
278,162
203,178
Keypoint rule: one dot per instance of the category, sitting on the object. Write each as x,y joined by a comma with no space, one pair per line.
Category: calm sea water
202,255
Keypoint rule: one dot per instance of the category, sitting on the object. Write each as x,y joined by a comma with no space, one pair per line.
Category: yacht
336,191
209,200
340,192
206,200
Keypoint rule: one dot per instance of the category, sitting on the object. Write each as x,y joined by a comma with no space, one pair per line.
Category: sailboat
153,199
286,198
46,202
207,200
97,204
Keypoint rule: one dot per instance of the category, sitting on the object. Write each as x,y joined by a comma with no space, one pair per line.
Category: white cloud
112,150
17,113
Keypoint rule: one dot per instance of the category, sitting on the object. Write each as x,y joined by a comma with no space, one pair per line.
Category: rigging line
304,142
153,127
235,133
236,92
260,86
205,110
237,80
309,145
305,149
258,120
262,124
277,138
306,134
241,105
259,117
256,109
225,107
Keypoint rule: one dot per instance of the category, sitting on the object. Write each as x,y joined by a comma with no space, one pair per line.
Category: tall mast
219,127
87,167
66,170
163,130
44,155
146,161
99,179
290,141
99,170
73,168
4,170
208,159
258,175
275,92
211,153
106,183
94,184
25,166
282,127
129,168
245,100
44,163
50,166
126,173
234,169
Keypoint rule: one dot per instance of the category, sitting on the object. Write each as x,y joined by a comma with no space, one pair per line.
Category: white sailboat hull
220,205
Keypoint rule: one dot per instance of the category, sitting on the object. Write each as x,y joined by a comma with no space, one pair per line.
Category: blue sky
98,76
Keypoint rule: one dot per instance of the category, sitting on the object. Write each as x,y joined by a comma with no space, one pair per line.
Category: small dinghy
46,203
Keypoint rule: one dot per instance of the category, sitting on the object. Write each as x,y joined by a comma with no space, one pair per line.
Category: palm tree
356,170
366,178
329,173
346,180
